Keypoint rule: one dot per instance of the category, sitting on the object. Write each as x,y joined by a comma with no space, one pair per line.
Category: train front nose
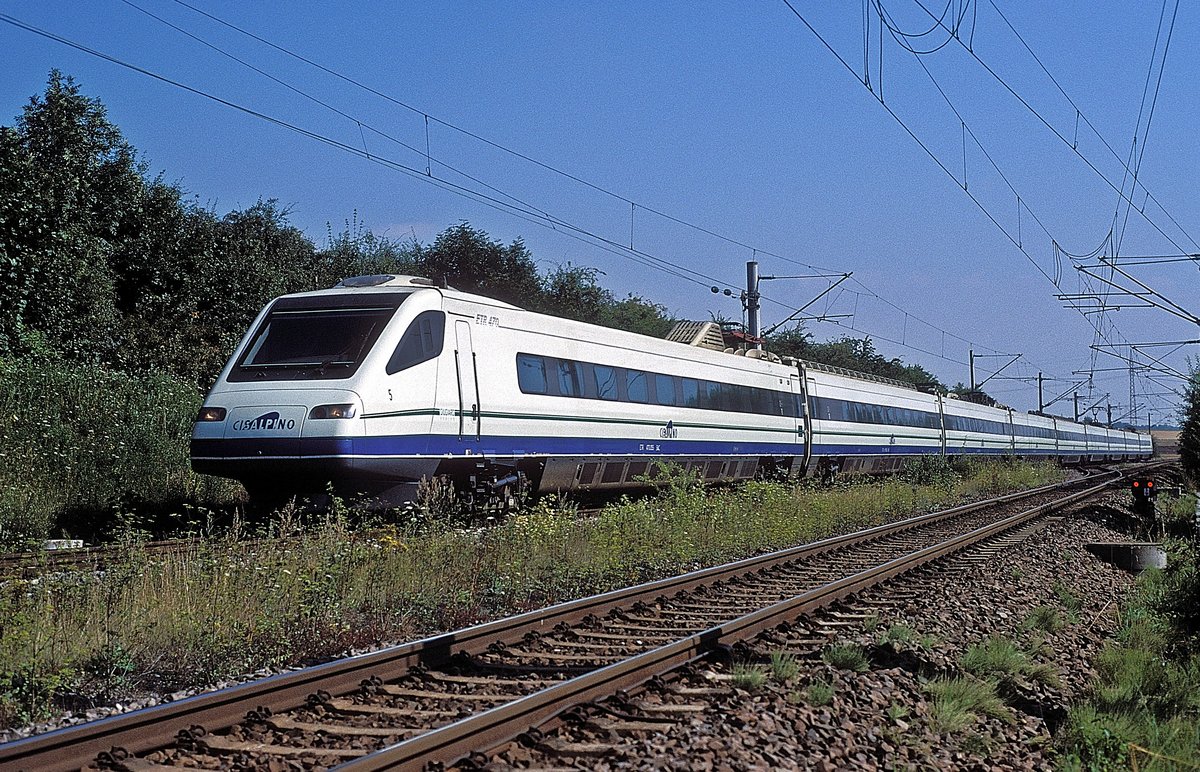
269,431
278,434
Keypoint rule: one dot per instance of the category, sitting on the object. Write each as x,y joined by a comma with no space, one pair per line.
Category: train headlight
209,414
332,411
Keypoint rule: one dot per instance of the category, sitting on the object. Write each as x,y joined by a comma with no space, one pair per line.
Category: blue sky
730,116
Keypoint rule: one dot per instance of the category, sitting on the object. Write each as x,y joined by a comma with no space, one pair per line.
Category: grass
819,693
80,444
959,702
749,676
784,666
1144,708
994,657
898,634
1068,599
225,607
1002,660
1044,618
846,656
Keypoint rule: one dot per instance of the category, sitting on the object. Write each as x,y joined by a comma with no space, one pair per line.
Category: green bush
78,444
937,471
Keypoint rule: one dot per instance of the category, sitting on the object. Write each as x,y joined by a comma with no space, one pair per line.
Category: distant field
1166,441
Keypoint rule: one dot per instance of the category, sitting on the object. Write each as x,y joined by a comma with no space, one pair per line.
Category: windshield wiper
296,365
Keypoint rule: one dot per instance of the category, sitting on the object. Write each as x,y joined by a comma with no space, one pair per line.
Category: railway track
439,700
27,564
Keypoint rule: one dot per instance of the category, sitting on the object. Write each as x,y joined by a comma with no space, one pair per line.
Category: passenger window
691,392
635,386
531,374
664,390
570,379
421,342
606,381
712,396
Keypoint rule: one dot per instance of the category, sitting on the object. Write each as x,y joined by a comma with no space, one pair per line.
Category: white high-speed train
383,381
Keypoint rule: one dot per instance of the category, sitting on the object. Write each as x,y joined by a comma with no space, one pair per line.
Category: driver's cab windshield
315,338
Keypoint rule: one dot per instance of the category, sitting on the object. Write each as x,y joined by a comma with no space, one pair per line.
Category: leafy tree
978,396
1189,433
357,251
470,260
574,292
104,265
637,314
793,342
66,175
851,353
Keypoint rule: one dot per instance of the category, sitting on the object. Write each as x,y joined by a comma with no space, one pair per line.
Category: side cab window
421,342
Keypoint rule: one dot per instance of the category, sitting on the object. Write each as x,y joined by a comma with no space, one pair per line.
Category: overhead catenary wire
533,217
1062,137
556,224
1098,327
1079,114
519,208
1141,149
641,206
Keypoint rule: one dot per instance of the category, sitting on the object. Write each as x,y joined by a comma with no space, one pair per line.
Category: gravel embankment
882,718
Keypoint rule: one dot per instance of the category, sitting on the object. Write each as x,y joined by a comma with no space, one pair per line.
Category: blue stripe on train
443,445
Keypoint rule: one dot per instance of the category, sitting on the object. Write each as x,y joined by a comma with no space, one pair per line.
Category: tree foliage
103,264
118,289
1189,432
853,354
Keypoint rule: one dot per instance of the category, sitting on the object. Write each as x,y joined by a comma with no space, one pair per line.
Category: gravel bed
884,718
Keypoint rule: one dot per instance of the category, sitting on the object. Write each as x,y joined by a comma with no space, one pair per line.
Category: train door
467,373
804,420
941,423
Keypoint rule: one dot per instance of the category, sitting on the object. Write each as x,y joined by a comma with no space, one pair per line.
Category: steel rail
18,563
156,727
486,730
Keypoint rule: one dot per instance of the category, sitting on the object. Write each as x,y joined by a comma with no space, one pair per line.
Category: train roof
382,284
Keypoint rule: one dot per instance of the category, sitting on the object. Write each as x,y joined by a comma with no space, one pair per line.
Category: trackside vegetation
1144,709
310,590
81,446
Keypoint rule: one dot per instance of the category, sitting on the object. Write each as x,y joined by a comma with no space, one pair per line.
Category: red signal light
1149,483
1136,483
